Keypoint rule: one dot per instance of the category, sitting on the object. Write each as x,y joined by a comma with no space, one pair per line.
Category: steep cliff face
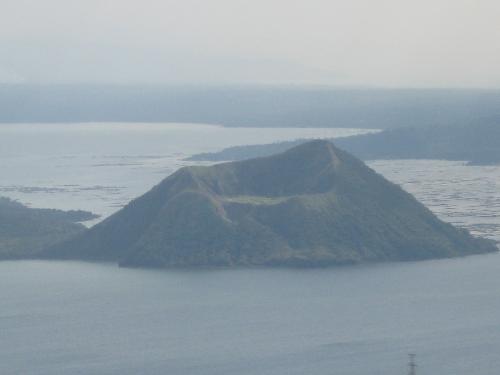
313,205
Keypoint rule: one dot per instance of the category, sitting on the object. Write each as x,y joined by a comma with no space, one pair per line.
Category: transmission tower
412,365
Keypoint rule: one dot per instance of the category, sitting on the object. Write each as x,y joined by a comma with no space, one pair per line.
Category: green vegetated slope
313,205
477,144
25,231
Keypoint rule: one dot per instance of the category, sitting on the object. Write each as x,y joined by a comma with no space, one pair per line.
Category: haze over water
266,63
85,318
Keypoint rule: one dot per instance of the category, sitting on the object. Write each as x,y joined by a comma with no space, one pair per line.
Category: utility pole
412,365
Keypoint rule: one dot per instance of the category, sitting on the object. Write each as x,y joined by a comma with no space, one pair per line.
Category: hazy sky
350,42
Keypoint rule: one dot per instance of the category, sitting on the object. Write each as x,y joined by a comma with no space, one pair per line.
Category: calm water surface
78,318
85,318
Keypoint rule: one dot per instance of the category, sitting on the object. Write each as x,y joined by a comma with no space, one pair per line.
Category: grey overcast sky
412,43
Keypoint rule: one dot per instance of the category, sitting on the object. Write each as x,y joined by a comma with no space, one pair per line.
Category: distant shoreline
180,124
472,144
248,105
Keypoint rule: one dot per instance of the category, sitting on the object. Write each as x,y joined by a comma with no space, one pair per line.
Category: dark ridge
477,144
250,106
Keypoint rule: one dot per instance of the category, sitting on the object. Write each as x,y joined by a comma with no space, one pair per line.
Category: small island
311,206
25,231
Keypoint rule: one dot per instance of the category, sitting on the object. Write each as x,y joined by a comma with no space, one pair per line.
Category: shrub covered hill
313,205
25,231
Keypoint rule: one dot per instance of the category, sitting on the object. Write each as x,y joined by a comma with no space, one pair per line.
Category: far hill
314,205
476,144
25,231
248,105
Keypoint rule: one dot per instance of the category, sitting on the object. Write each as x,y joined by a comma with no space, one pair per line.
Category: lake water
85,318
78,318
101,167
